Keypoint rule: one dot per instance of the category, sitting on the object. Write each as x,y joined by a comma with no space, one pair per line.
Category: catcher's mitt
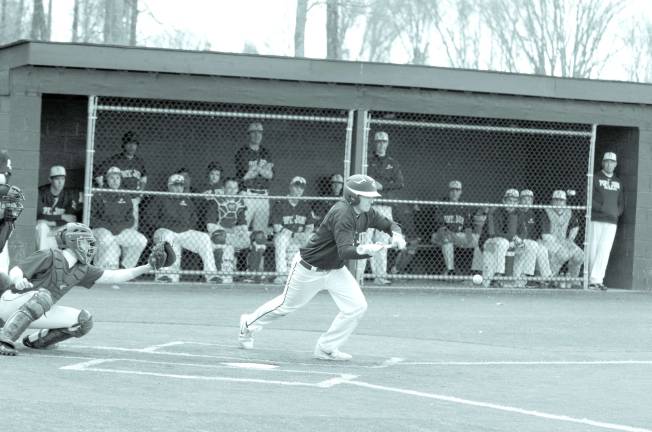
162,255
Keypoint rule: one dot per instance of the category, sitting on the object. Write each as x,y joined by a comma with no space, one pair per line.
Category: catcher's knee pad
40,302
47,338
84,324
218,237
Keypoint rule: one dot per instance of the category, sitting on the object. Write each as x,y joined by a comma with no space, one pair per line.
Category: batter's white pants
601,239
285,248
302,285
45,235
109,246
56,317
194,241
4,259
379,260
257,213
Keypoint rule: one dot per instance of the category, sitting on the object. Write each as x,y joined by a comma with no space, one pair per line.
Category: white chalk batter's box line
93,365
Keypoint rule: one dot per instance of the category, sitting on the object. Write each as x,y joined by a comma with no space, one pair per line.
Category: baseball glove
162,255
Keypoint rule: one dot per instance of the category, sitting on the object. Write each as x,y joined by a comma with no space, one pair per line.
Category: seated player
559,227
177,219
293,224
530,232
455,230
56,206
227,226
332,189
112,219
37,283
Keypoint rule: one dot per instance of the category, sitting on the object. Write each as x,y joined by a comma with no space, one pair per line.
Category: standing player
11,206
36,284
293,223
320,265
607,206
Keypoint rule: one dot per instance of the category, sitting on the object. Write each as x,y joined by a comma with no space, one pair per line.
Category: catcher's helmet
80,239
359,185
11,201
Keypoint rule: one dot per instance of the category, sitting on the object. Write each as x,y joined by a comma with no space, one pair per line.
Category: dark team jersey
341,228
501,223
608,199
245,158
174,213
529,224
132,170
51,208
112,211
454,217
49,269
228,212
387,172
292,217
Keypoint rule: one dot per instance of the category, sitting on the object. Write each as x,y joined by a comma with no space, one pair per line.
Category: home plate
259,366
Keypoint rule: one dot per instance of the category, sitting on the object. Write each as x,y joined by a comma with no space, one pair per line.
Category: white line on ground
165,345
335,381
85,365
389,362
452,399
527,363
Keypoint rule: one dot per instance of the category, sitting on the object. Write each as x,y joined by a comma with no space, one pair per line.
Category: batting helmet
359,185
80,239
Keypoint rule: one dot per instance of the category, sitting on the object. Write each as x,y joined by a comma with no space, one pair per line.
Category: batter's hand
23,284
398,241
371,248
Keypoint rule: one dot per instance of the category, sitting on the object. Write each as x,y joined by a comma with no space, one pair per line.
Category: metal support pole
348,144
90,150
589,199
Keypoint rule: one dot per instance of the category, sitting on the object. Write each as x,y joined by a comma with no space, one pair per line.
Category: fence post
90,150
589,199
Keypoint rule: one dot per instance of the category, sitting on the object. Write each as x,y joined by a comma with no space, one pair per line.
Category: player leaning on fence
320,266
34,286
607,206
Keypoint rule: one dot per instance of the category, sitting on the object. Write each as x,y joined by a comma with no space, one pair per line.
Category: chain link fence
501,199
236,189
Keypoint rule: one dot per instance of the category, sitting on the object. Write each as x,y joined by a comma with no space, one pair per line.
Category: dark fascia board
156,60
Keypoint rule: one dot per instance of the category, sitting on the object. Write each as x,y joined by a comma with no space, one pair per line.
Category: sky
269,26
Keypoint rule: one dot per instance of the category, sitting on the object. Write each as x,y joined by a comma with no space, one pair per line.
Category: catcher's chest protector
56,279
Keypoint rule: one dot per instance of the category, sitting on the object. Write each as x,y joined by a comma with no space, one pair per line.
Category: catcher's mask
80,239
11,201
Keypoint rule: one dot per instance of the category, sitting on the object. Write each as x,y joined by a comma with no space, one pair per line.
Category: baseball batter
320,265
293,223
35,285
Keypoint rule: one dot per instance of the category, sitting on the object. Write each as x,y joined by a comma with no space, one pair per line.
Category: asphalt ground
166,358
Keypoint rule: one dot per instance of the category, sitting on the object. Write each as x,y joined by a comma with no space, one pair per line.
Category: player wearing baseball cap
559,228
320,265
530,231
607,206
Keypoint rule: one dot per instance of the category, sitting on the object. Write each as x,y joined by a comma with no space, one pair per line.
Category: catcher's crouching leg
46,338
256,255
33,309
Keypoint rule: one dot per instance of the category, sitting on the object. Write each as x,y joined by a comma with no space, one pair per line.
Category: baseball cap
609,156
214,165
337,178
559,194
511,193
255,127
57,170
176,179
381,136
298,180
114,170
527,192
455,184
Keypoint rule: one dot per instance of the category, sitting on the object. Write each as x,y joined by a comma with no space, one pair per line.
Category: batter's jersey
174,213
292,217
454,217
245,158
502,223
341,227
113,211
132,170
51,208
227,212
49,269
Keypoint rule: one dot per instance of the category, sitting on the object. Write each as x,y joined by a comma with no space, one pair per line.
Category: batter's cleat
335,355
7,349
246,337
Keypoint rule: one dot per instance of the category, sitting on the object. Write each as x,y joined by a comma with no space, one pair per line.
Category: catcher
35,285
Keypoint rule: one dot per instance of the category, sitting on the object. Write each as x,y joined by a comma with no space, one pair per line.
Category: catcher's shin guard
33,309
46,338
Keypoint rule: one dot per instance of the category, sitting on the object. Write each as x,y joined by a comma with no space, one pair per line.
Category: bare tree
333,48
38,21
379,32
460,30
300,28
75,22
414,22
638,42
551,37
133,22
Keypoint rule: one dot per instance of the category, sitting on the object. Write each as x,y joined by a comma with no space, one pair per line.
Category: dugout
44,114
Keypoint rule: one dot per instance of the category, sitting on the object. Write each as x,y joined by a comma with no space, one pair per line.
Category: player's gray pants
302,285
